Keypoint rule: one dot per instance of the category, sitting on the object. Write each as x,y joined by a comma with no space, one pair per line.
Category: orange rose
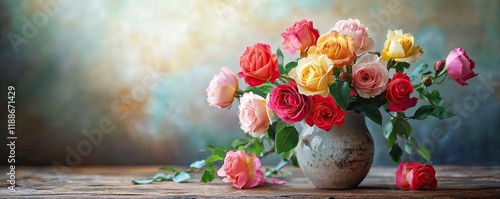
339,47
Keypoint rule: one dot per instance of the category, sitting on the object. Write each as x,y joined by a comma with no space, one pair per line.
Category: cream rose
400,47
313,74
369,76
254,114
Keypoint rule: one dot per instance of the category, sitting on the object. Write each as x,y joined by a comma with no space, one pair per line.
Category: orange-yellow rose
400,47
339,47
313,74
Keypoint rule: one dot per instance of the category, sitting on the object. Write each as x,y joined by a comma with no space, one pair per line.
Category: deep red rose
258,64
288,104
398,93
415,176
325,113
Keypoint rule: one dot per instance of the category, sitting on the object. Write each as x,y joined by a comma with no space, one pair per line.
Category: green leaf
142,181
280,56
402,127
436,111
425,153
373,113
181,177
162,176
286,139
434,98
168,168
257,147
219,152
197,164
290,66
276,169
418,71
238,142
280,126
408,148
340,92
213,158
387,129
208,174
261,90
395,153
294,160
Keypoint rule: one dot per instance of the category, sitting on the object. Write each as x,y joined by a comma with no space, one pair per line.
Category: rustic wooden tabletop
115,182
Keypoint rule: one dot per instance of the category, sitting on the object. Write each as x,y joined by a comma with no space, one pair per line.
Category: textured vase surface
339,158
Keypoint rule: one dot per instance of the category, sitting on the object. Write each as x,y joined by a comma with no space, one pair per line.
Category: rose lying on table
415,176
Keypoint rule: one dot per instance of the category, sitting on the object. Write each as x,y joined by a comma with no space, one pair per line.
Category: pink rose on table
415,176
299,37
254,114
242,169
222,88
325,113
398,93
354,28
369,76
459,66
288,104
258,64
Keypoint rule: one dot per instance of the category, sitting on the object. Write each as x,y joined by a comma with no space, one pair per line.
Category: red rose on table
286,102
415,176
398,93
325,113
258,64
459,66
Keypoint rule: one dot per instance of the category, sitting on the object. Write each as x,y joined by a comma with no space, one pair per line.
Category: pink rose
398,93
459,66
222,88
369,76
242,169
288,104
254,115
325,113
299,37
415,176
352,27
258,64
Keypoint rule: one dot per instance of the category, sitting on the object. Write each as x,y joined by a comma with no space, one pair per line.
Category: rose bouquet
334,72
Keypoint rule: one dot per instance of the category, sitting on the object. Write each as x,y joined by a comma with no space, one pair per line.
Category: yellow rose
313,74
400,47
339,47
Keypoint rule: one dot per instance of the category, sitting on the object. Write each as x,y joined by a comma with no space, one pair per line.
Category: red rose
325,113
414,176
398,93
258,64
288,104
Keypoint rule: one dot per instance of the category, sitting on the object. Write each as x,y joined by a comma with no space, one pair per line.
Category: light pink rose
242,169
222,88
299,37
459,66
369,76
352,27
254,114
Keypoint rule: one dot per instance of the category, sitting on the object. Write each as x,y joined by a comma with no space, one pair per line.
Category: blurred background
123,82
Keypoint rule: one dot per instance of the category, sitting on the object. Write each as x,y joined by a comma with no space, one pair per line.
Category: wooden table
115,181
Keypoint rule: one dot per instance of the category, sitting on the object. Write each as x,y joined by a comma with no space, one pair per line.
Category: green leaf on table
408,148
142,181
181,177
208,174
286,139
436,111
197,164
238,142
257,147
373,113
395,153
213,158
402,127
425,153
160,176
418,71
281,65
168,168
277,168
290,66
340,92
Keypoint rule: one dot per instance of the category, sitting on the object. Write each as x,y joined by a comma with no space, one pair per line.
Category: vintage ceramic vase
339,158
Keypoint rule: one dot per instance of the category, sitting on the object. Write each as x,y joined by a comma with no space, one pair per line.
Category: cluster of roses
304,92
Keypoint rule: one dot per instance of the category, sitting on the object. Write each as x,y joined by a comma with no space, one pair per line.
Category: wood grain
115,182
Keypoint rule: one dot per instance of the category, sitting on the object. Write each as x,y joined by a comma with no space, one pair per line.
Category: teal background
142,68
